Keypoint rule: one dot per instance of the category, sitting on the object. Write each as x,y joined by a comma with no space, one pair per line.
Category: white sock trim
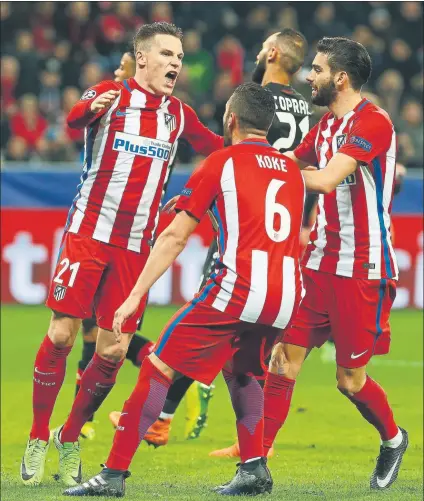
252,459
164,415
395,441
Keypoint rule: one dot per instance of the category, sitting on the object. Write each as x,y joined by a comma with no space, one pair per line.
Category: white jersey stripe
98,150
170,162
316,149
258,287
344,208
228,186
374,257
289,294
321,222
150,188
121,172
387,195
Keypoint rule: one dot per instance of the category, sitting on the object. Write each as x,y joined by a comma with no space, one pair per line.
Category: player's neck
345,101
141,82
275,75
238,137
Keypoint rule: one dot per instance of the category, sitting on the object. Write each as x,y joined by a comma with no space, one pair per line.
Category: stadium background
50,53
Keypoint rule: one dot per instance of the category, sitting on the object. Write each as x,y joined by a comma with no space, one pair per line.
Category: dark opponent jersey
291,121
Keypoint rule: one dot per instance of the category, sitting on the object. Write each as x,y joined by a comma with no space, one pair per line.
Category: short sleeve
201,189
306,149
369,137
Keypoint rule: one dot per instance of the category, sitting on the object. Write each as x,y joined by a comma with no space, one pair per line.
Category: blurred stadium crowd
51,52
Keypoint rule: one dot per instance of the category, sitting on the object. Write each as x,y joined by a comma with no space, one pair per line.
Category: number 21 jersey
291,121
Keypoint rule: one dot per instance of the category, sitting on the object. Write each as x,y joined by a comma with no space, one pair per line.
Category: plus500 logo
143,146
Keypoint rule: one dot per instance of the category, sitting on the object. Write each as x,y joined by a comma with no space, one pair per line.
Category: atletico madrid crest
59,292
341,140
170,122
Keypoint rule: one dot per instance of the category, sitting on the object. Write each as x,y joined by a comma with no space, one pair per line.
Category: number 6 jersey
256,196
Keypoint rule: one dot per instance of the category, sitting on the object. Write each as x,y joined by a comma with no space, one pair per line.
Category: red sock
140,411
80,372
278,393
371,402
49,372
98,379
247,399
145,350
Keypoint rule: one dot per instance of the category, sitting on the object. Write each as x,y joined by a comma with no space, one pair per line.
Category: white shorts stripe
258,287
97,155
121,172
321,222
151,187
228,186
289,294
374,257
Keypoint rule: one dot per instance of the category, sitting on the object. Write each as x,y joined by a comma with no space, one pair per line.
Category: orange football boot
233,452
156,435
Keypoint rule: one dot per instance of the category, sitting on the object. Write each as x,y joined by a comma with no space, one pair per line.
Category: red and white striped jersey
351,236
256,196
127,150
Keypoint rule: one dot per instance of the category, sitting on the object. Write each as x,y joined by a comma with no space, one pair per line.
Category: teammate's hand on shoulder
103,101
125,311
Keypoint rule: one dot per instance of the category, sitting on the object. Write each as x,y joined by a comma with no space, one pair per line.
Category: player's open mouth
314,91
171,77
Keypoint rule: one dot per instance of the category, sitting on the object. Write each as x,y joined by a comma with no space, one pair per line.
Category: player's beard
259,71
325,95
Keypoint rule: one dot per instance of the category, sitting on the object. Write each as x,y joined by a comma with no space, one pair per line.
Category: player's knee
114,353
62,330
349,384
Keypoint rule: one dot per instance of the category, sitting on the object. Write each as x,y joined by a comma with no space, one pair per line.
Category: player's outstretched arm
300,163
327,180
168,246
203,140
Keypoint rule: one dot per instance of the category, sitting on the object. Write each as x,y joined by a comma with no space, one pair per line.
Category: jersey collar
153,100
362,103
256,141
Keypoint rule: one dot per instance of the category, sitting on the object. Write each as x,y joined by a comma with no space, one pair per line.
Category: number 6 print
74,270
272,208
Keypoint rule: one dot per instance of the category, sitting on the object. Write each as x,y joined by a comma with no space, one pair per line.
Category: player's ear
272,54
231,121
140,58
341,78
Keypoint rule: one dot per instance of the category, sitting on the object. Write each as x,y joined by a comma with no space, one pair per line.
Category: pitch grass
326,450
